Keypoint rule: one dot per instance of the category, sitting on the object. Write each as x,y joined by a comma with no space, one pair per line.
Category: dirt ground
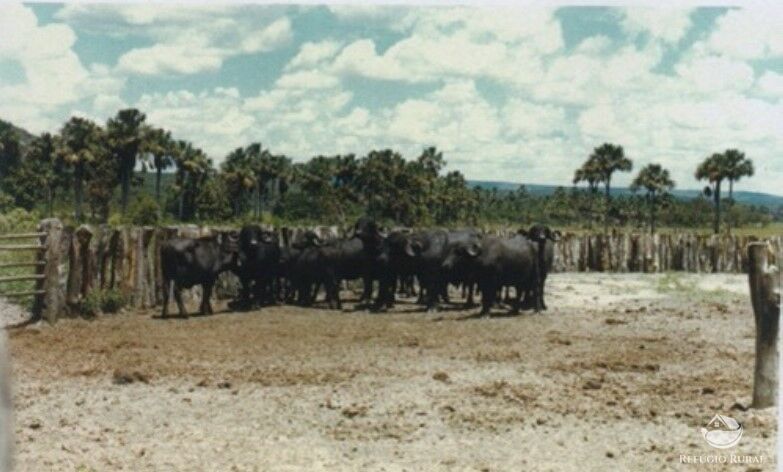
619,374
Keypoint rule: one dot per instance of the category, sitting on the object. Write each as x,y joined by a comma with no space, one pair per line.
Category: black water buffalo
421,254
328,263
187,262
545,239
495,263
258,265
294,278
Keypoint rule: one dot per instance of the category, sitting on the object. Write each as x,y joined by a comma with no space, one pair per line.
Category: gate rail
47,292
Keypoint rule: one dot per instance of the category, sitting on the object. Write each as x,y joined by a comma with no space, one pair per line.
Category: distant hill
748,198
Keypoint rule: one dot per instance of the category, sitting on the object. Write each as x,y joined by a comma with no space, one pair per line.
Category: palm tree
160,146
192,167
714,170
240,177
50,167
655,179
588,173
126,138
608,159
79,145
737,167
9,149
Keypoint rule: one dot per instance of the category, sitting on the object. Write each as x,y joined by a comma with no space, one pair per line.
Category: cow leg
166,289
178,299
488,297
517,300
206,307
434,292
367,290
470,303
541,292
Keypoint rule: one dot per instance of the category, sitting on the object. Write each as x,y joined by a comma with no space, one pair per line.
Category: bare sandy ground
619,374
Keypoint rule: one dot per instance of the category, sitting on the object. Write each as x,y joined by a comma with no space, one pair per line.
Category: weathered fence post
765,295
50,304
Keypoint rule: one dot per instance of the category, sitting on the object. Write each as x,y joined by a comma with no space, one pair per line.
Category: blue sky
516,94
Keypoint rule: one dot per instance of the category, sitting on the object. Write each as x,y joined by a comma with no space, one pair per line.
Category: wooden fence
45,246
74,262
764,278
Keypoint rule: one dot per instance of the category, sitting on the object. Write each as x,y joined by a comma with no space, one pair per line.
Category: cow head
308,239
540,233
414,247
252,236
228,245
461,253
368,230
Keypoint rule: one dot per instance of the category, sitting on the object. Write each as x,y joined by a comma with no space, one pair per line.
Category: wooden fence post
51,303
765,295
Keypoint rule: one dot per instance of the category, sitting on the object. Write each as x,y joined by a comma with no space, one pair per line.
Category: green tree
606,160
737,167
126,135
212,203
41,173
240,179
10,150
192,169
160,146
656,181
714,170
79,146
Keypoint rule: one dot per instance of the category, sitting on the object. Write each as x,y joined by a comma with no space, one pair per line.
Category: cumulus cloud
495,88
186,40
506,44
53,74
666,24
748,33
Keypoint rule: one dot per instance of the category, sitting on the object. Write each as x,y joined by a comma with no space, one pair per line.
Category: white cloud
214,120
667,24
594,45
186,40
752,33
771,85
53,73
506,44
311,54
525,119
715,74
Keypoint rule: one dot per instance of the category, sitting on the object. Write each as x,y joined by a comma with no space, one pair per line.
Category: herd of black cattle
270,272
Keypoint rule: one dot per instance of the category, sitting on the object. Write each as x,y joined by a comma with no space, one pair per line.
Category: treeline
90,172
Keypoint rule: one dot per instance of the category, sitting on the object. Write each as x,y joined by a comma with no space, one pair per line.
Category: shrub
103,301
144,211
113,301
18,220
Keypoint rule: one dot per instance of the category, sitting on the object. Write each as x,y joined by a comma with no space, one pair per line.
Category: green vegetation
90,173
102,301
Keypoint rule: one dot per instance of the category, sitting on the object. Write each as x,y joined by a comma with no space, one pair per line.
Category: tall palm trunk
258,199
731,204
49,200
716,196
78,190
652,213
125,178
181,205
608,206
158,174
